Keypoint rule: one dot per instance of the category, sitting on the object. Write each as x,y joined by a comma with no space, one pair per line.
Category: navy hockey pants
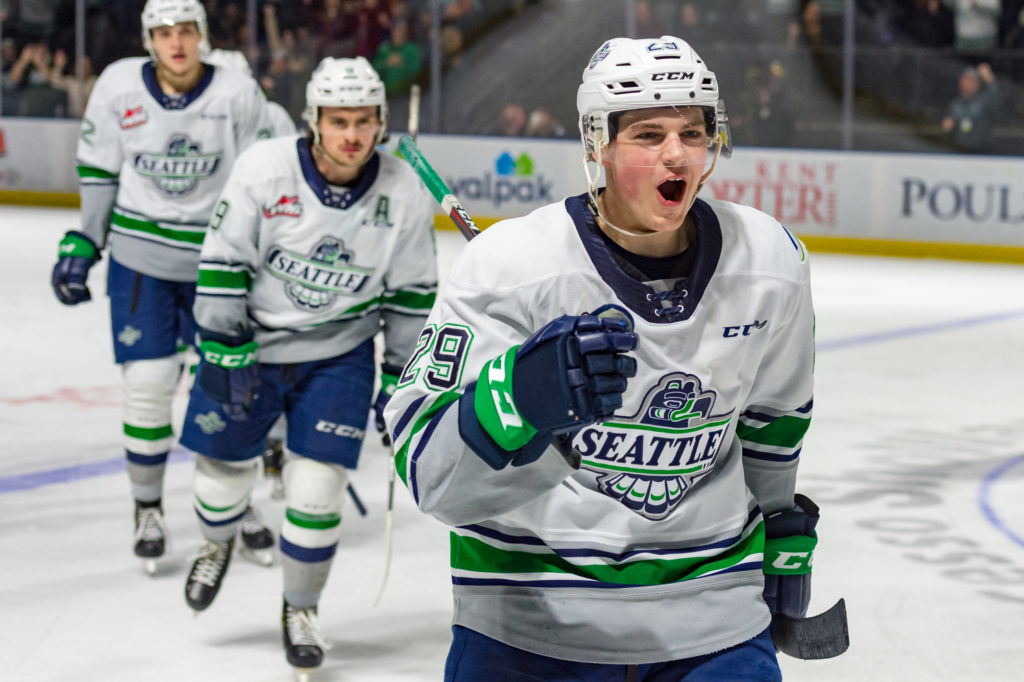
474,657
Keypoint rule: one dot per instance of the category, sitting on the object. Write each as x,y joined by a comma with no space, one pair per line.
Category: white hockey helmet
171,12
229,59
345,82
626,74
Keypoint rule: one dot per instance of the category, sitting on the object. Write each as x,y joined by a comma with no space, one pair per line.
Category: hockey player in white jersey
158,138
608,401
282,125
318,243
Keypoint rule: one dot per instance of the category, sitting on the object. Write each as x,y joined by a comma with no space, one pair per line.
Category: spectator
285,75
976,23
335,30
512,120
1011,24
398,60
456,14
76,98
542,124
971,116
10,86
771,116
647,25
31,75
928,23
371,25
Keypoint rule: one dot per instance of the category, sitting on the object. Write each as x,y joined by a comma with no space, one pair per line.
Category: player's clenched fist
570,373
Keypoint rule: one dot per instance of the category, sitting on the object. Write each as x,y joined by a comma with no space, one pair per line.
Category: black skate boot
150,533
273,464
207,573
257,540
304,644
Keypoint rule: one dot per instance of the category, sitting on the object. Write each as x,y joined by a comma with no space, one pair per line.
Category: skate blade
303,674
260,557
277,489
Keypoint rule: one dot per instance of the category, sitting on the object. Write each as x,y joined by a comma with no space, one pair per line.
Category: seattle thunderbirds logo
178,170
313,282
650,460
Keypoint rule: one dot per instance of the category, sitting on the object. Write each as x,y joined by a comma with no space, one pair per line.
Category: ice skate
273,463
150,533
304,644
257,540
207,573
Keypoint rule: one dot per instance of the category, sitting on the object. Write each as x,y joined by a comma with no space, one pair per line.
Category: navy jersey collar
636,295
175,102
322,189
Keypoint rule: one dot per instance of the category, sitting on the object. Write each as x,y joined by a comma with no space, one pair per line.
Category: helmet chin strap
595,206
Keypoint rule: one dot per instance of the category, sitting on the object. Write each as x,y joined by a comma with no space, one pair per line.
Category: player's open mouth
672,190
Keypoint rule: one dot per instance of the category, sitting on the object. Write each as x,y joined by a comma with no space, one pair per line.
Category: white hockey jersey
652,550
314,269
168,158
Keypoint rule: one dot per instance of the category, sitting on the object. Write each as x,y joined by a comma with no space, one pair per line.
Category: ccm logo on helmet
673,76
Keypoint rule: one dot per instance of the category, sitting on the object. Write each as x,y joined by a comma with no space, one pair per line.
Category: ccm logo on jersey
133,118
287,206
672,76
744,329
343,430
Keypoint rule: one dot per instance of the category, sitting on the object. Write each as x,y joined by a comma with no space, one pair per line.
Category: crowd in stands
39,78
292,36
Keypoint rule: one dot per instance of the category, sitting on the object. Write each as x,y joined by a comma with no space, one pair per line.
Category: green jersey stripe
477,556
402,454
219,510
90,172
224,279
312,521
188,236
410,299
144,433
786,432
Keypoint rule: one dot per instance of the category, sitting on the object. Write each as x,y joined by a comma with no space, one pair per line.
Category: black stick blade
823,636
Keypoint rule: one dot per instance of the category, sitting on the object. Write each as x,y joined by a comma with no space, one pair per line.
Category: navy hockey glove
388,382
569,374
788,550
77,253
228,371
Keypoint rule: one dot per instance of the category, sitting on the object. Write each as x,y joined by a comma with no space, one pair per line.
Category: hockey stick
823,636
355,500
469,230
438,189
389,516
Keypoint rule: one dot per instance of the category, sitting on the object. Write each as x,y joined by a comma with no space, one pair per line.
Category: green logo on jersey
129,336
178,170
210,423
650,460
315,281
86,132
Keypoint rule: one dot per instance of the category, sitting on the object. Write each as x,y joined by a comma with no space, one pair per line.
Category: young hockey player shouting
661,343
317,243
